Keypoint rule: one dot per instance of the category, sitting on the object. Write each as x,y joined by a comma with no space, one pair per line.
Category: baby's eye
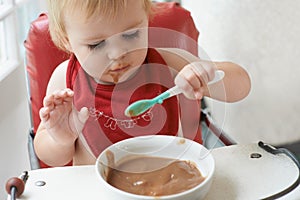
131,34
97,45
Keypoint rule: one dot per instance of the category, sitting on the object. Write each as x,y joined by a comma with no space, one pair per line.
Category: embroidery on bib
112,122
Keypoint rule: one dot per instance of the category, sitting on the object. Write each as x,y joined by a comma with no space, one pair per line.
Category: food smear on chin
115,77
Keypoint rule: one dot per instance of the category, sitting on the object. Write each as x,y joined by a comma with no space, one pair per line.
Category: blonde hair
57,8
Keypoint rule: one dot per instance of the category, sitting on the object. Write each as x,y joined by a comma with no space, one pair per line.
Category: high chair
42,57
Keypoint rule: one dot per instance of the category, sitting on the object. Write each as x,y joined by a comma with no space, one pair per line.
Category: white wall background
14,112
263,37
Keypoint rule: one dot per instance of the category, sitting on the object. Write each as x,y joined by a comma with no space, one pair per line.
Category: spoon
143,105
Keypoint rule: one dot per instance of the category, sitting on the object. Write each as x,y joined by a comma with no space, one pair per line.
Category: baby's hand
193,78
62,121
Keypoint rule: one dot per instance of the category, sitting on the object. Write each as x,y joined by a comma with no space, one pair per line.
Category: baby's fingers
66,95
83,115
44,114
79,119
183,81
62,96
204,70
49,102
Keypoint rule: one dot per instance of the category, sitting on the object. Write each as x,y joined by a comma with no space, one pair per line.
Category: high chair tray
242,172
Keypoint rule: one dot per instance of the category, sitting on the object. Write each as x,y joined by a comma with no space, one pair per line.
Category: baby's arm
194,74
60,122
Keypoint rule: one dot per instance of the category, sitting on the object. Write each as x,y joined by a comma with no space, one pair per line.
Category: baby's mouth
117,71
119,68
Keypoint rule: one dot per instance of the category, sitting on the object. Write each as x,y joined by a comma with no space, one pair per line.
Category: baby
112,66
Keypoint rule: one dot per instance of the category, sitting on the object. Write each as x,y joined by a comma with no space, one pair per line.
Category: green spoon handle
176,90
167,94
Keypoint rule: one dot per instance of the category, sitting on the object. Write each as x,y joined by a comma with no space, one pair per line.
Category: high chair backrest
42,56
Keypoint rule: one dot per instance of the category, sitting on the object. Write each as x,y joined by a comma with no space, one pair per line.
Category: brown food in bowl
154,176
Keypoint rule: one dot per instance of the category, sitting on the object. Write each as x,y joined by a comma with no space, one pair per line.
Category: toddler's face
110,50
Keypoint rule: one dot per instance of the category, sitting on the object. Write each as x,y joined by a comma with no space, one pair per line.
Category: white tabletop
237,176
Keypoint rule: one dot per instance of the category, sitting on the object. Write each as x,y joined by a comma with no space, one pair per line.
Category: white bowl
159,146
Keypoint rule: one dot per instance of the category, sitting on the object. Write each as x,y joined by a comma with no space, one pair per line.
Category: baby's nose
116,53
